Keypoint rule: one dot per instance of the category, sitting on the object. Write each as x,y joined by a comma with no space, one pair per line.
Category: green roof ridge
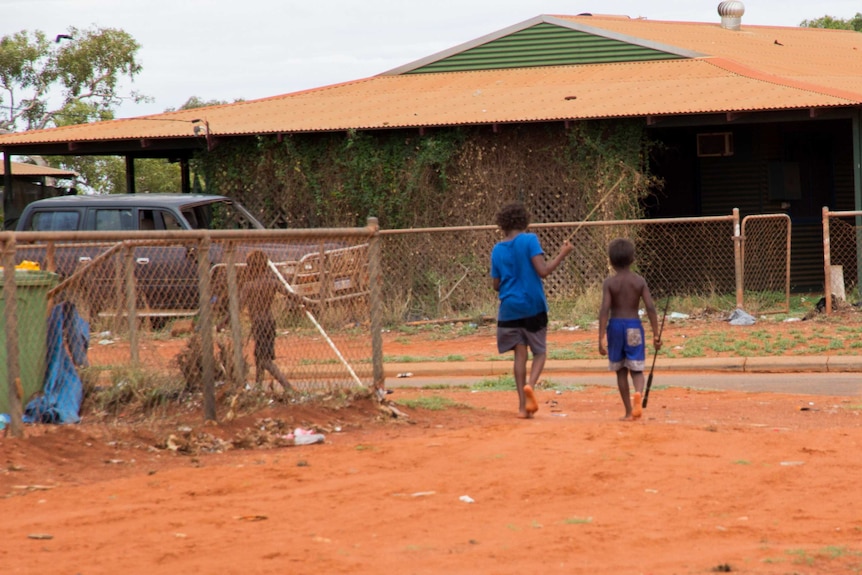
544,44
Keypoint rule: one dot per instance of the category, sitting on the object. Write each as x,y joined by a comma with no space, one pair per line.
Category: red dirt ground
705,482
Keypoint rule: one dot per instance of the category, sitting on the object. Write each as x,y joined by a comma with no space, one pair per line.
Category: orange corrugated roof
754,69
827,57
32,170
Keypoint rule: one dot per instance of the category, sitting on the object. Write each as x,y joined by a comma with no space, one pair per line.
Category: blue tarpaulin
62,392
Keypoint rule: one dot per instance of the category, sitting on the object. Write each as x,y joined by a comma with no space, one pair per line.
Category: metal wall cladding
545,45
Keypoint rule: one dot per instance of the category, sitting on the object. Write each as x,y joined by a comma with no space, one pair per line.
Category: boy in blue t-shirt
517,268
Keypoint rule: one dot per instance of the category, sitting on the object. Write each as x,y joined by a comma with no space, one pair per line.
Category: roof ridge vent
731,12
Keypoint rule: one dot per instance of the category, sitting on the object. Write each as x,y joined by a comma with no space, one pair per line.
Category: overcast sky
247,49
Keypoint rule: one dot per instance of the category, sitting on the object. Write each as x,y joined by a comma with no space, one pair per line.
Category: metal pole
205,327
827,261
375,299
234,310
787,266
857,194
737,257
13,374
131,310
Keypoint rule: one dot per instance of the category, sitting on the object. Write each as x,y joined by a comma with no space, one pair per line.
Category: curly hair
621,252
257,263
513,216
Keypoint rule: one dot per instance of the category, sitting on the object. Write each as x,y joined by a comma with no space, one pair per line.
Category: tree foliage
107,174
854,23
72,79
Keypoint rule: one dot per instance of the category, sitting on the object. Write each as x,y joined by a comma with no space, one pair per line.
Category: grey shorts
509,337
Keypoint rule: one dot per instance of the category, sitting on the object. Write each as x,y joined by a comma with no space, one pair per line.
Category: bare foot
524,415
637,408
531,405
627,418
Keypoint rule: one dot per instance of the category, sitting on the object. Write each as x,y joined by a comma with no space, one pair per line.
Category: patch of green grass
434,386
420,359
432,403
836,343
692,349
801,556
577,520
501,383
578,350
742,462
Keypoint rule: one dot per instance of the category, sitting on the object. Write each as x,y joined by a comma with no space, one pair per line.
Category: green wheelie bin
31,299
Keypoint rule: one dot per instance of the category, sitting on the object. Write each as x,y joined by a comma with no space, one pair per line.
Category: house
760,118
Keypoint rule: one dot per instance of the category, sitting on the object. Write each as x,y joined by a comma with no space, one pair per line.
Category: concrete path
814,375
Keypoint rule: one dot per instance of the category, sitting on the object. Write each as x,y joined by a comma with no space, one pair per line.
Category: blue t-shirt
521,291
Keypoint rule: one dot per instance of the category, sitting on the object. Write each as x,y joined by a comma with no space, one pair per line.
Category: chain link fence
842,250
303,310
436,273
765,251
287,310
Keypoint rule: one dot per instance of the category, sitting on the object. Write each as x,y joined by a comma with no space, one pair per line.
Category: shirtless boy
622,294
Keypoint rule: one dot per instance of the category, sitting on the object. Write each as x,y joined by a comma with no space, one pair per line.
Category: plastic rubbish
4,420
467,499
740,317
306,437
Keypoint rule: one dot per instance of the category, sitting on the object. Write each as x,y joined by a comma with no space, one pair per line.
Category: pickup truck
166,273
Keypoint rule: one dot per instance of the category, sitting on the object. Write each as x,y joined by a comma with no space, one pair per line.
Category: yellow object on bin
26,265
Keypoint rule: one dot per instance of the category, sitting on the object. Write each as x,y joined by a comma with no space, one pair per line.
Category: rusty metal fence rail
842,251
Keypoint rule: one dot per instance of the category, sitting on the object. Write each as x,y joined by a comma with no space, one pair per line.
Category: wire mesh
436,273
306,319
766,263
843,245
307,315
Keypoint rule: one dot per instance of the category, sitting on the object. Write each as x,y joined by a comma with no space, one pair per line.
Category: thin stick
289,287
601,201
655,355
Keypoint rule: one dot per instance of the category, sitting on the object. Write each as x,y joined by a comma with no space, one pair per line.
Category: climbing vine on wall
443,177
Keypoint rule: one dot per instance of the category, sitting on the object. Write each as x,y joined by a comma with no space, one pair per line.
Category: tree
854,23
71,80
107,174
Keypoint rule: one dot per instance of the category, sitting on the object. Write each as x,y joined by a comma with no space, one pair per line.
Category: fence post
234,311
205,329
16,426
131,309
375,280
737,258
827,262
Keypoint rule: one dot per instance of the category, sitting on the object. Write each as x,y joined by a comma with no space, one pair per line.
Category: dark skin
543,269
622,294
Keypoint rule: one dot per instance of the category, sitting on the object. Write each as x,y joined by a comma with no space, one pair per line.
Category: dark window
54,221
114,220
